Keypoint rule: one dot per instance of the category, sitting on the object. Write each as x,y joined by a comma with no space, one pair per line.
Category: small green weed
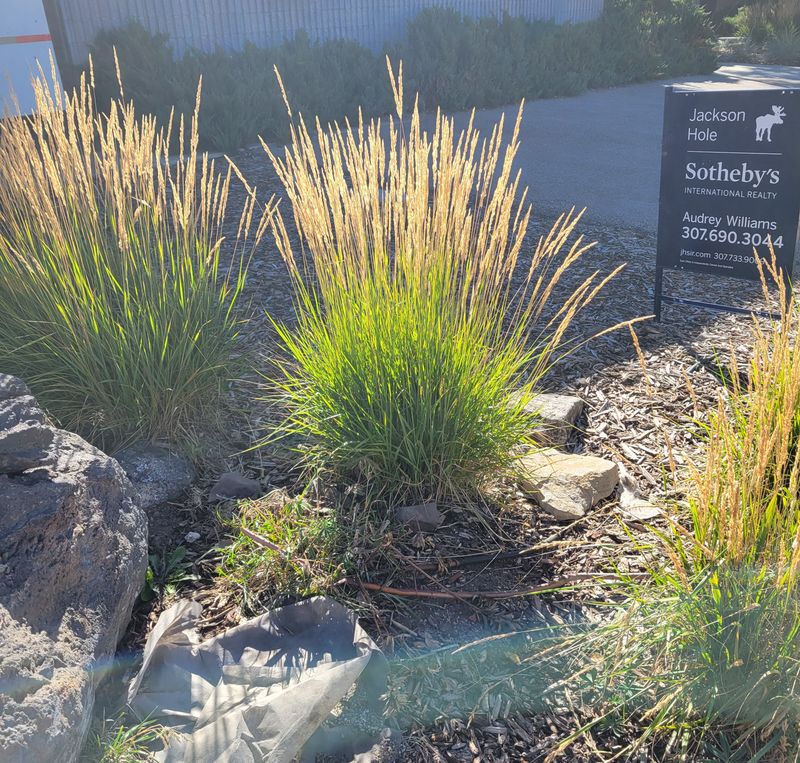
166,573
113,740
308,549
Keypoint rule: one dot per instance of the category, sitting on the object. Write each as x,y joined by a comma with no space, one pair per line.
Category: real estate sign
730,180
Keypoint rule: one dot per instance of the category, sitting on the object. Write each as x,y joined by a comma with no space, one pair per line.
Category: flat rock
73,555
639,510
566,485
232,485
158,475
557,416
424,517
632,505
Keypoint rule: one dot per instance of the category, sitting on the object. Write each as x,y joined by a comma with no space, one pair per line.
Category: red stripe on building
34,38
23,38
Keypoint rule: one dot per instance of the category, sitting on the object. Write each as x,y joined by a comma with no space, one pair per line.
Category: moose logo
765,124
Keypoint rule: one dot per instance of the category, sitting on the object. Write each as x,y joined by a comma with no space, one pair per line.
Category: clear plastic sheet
257,692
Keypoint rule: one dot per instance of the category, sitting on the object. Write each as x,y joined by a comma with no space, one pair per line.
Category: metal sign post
730,185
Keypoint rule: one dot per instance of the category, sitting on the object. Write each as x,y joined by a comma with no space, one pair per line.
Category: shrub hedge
460,63
453,62
772,27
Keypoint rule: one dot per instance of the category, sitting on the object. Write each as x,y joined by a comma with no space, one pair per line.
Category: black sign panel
730,180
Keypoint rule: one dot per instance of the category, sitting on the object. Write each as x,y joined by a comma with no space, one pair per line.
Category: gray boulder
232,485
158,475
73,554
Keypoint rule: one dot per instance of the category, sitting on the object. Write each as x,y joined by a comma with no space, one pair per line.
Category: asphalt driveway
602,149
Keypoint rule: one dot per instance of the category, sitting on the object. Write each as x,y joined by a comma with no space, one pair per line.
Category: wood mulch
641,409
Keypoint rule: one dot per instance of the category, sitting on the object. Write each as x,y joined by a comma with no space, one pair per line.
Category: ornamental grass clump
116,301
705,651
746,503
420,333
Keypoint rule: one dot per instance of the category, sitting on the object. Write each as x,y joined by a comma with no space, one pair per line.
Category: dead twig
554,585
489,557
433,580
262,541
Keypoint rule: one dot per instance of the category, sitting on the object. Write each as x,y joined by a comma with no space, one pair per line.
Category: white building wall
25,43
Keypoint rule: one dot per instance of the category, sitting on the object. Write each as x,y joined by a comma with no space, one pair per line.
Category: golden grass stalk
746,505
705,649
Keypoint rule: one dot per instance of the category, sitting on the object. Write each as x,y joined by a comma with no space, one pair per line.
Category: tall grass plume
704,652
421,334
116,300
